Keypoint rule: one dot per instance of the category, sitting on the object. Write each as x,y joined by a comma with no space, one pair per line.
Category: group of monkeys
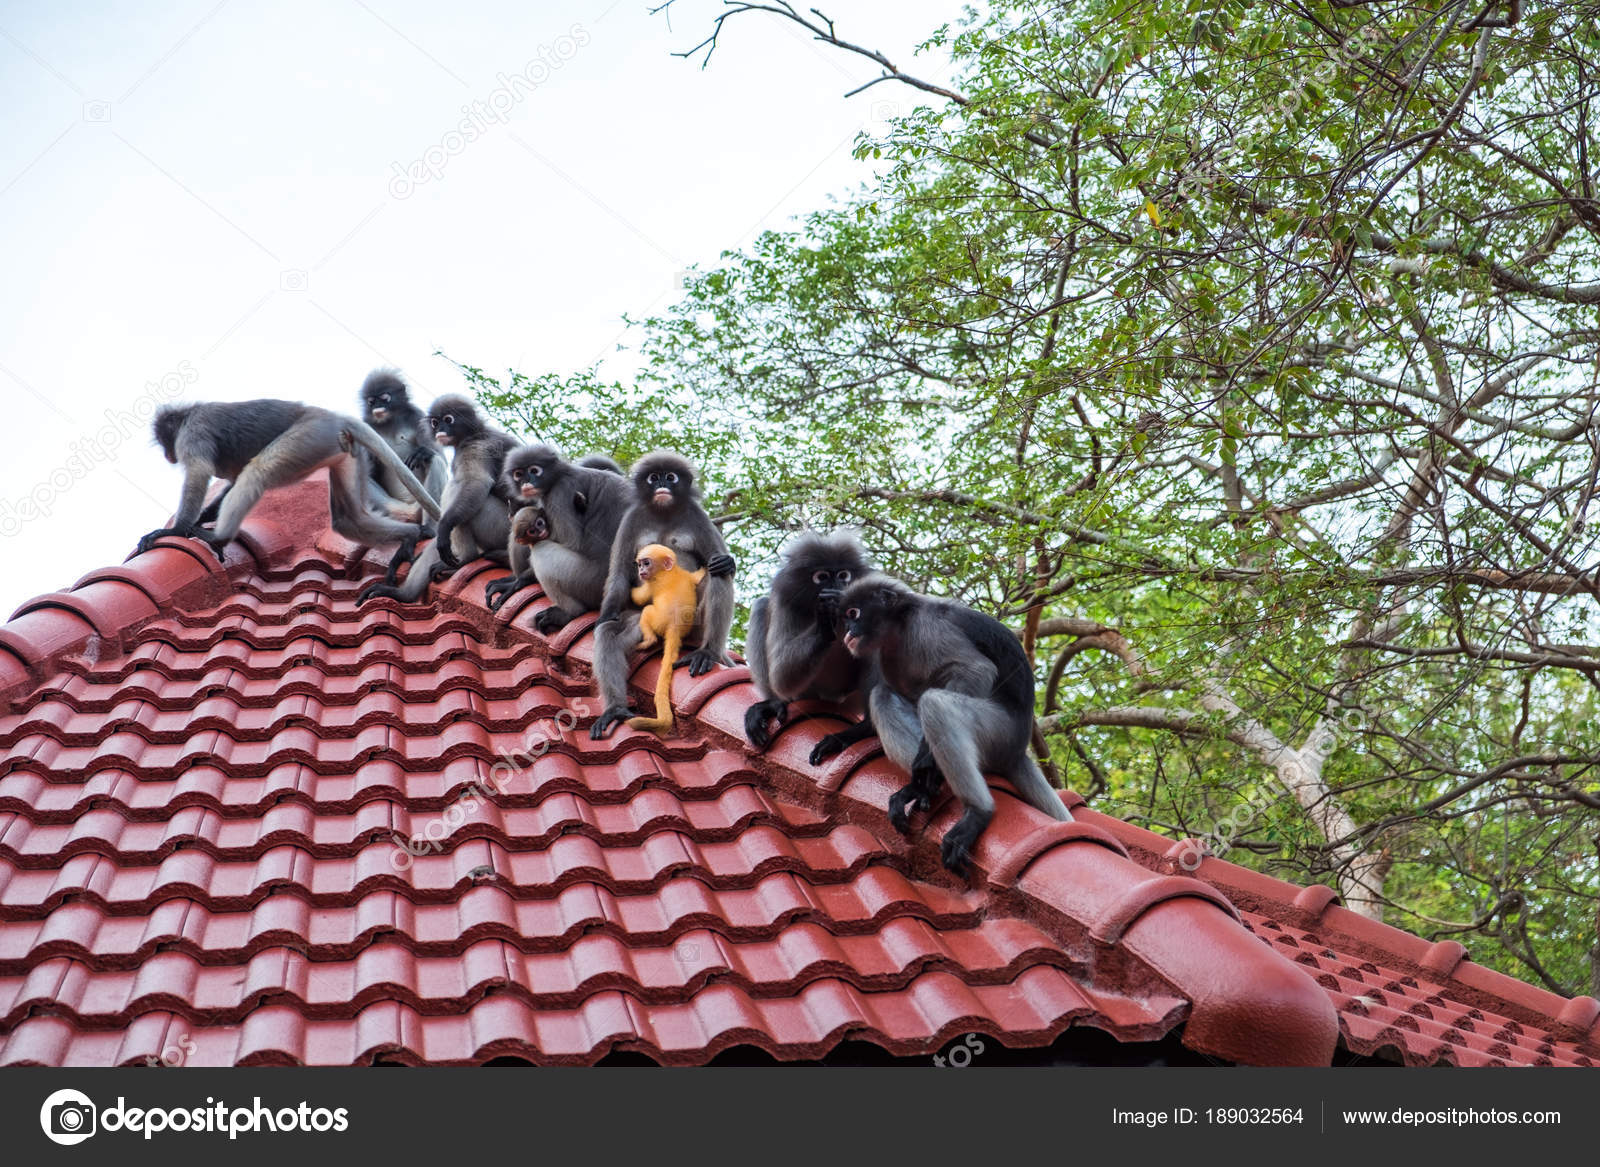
947,690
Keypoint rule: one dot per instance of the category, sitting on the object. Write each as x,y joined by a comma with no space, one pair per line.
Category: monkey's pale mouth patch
380,415
443,439
852,645
662,496
529,491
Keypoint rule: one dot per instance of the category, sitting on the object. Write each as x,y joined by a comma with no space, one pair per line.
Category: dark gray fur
386,406
583,507
474,521
793,647
601,462
262,444
678,522
953,698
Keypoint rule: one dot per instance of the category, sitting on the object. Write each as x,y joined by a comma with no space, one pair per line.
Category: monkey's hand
378,589
828,615
720,565
419,461
700,662
552,620
498,591
925,773
832,744
607,720
905,802
757,716
149,540
402,555
956,851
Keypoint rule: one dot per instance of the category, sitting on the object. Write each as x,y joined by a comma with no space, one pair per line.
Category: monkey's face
652,565
169,420
530,478
530,527
869,613
830,582
378,408
664,489
444,427
453,420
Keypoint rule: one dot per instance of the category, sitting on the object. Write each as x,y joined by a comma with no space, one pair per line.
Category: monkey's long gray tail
384,452
1035,787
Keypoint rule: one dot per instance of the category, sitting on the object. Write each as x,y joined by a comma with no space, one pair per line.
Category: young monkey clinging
667,594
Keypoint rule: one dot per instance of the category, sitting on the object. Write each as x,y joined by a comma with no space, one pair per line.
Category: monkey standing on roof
667,593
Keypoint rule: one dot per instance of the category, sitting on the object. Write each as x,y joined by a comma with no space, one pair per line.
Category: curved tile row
435,876
935,1007
484,909
45,797
79,694
176,982
327,835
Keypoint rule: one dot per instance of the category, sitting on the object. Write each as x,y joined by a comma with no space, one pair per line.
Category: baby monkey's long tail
661,723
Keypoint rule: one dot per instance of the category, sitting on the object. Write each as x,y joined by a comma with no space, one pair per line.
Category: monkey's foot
498,591
757,716
405,553
700,662
608,720
905,802
193,531
378,591
551,620
219,547
402,556
827,747
956,850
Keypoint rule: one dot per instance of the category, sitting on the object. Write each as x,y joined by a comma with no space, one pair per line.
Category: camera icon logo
68,1117
97,111
293,280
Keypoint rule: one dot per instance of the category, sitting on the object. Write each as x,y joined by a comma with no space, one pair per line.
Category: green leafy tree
1245,357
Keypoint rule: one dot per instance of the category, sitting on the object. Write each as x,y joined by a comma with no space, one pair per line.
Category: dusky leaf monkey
474,521
666,510
262,444
667,595
583,506
793,647
952,697
387,407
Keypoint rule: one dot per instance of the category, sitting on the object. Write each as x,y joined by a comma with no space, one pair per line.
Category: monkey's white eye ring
819,577
671,476
844,577
853,614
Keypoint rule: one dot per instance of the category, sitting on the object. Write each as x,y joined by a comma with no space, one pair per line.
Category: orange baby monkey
667,594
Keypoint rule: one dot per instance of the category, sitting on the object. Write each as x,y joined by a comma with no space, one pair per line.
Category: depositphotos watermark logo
70,1116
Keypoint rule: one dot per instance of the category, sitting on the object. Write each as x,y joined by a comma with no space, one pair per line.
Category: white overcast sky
202,196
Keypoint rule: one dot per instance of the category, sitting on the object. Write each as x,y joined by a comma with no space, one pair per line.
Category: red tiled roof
203,769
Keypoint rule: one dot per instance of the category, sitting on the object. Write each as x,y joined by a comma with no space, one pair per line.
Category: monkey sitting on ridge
667,593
